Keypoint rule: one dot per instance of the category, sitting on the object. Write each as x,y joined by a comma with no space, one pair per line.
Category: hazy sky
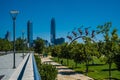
68,14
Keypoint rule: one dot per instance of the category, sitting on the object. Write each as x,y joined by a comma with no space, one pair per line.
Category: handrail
35,69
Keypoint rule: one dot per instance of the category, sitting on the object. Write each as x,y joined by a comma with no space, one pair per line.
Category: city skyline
67,14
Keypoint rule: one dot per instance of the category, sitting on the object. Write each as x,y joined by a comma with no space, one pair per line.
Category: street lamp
23,43
14,14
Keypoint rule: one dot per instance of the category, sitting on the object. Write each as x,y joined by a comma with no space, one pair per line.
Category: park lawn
98,71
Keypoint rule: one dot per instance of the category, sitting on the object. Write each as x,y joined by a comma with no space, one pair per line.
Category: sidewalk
6,65
65,73
29,73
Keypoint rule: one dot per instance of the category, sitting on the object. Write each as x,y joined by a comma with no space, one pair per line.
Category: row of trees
6,45
21,44
108,48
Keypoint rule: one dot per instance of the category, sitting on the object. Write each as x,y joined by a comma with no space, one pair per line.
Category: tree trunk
67,62
86,67
110,76
58,59
92,61
76,64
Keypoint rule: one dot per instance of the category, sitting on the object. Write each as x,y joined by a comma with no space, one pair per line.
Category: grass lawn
98,71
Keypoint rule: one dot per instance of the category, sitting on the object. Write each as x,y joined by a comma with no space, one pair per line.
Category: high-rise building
7,36
59,41
52,34
30,33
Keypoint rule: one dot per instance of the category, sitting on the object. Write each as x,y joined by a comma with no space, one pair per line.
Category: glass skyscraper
52,34
30,33
7,36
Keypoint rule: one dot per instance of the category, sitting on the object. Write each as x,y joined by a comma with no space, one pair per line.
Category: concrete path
28,73
65,73
6,65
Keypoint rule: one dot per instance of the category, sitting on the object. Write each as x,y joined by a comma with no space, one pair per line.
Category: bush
117,61
38,61
47,71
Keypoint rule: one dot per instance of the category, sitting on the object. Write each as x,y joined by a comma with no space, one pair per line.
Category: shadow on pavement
1,76
67,72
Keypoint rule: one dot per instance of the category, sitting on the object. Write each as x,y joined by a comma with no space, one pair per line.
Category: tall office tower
30,33
7,36
52,34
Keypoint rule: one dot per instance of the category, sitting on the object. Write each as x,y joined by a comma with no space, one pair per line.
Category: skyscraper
7,36
30,33
52,34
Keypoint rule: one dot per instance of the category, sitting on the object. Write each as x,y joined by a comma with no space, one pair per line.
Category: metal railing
35,69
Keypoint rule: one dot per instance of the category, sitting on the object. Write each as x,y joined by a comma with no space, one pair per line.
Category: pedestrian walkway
26,68
29,73
65,73
6,65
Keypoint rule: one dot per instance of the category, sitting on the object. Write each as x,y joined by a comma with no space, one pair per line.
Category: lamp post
14,15
23,43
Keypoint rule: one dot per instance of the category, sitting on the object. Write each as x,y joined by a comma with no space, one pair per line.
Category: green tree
5,45
56,51
110,44
117,57
117,61
87,51
78,54
66,51
19,44
39,46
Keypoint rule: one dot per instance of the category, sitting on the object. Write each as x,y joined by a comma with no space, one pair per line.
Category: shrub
47,71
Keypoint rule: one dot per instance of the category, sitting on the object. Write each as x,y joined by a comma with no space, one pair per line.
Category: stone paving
65,73
6,65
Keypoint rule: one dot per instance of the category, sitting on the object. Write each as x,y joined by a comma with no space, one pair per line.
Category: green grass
97,72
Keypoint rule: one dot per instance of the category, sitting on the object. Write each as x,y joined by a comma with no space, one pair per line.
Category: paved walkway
65,73
6,65
28,73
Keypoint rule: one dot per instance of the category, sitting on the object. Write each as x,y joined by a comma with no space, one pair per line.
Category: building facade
30,34
53,33
59,41
7,36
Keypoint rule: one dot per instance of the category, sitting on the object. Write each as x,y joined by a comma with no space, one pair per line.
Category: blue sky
68,14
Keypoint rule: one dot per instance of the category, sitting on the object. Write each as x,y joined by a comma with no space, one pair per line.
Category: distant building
30,33
53,40
7,36
52,34
46,43
59,41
